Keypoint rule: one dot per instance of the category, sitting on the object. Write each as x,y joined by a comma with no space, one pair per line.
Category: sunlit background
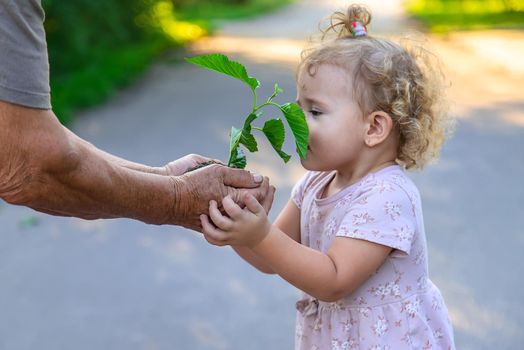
119,80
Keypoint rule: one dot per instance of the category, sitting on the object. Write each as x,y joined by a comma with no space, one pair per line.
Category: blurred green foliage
96,46
225,9
449,15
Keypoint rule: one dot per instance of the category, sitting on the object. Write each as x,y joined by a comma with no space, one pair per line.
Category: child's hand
244,227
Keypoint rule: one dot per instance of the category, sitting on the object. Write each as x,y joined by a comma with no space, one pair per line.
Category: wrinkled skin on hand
195,189
182,165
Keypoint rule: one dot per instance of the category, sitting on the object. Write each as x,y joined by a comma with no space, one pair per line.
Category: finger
221,221
260,192
197,158
252,204
200,158
240,178
206,224
267,203
213,241
232,209
210,230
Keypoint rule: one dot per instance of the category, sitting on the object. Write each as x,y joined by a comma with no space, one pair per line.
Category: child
352,236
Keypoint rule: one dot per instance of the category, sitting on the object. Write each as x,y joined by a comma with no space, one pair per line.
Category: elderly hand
195,189
186,163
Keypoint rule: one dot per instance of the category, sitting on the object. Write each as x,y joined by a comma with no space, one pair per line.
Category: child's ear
379,126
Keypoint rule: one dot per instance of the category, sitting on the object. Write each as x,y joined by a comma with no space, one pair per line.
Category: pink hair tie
357,29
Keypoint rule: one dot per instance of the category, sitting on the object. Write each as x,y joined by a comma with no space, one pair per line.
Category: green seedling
273,128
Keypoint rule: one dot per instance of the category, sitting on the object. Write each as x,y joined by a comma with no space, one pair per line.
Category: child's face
336,124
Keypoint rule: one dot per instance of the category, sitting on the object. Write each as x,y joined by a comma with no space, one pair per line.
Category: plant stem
266,104
254,102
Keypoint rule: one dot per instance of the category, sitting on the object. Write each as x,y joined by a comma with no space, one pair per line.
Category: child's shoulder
391,180
388,194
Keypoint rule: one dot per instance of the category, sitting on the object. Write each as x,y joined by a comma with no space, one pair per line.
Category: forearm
100,189
44,167
92,187
117,160
307,269
249,256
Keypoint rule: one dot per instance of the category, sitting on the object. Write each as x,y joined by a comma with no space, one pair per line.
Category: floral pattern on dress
411,307
340,345
392,209
344,201
362,218
380,327
420,257
403,233
331,227
385,290
385,186
398,307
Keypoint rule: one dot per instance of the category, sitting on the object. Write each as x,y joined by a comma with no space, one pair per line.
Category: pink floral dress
398,307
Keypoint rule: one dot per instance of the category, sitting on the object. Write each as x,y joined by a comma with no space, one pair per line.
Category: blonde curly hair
402,79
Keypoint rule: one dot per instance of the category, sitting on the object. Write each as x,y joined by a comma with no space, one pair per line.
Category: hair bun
343,24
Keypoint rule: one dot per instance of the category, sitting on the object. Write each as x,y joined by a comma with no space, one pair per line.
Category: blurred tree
192,3
510,5
448,15
97,45
77,28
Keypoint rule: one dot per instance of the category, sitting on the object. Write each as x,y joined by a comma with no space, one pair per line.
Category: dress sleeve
381,216
298,191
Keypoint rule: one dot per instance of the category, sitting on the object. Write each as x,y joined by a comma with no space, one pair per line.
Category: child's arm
328,277
249,256
288,221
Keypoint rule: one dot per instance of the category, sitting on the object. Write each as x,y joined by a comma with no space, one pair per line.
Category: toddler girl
352,236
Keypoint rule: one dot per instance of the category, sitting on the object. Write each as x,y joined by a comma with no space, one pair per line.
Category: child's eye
315,113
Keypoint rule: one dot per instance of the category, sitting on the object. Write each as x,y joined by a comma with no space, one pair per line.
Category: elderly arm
117,160
46,167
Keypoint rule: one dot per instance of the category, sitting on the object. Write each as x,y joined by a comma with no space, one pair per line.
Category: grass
443,16
114,68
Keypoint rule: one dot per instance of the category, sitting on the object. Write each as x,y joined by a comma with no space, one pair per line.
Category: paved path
117,284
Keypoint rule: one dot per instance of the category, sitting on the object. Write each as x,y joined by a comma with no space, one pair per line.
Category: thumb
253,205
240,178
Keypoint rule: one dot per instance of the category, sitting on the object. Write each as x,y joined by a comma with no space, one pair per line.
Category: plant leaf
222,64
250,118
239,160
248,140
234,139
276,134
297,123
276,91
